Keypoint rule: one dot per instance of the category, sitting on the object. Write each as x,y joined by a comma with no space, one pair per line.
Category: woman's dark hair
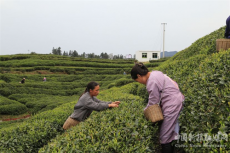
89,86
140,69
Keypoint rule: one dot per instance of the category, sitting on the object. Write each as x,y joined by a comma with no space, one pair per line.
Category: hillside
203,77
66,77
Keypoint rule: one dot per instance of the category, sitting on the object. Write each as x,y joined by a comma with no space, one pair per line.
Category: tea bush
41,102
122,129
123,81
208,104
202,74
33,133
112,124
11,107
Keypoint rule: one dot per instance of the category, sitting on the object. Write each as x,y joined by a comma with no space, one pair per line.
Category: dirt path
13,119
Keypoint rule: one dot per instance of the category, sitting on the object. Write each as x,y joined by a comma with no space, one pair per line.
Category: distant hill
168,53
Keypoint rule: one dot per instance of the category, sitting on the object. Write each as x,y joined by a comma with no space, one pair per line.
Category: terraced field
201,72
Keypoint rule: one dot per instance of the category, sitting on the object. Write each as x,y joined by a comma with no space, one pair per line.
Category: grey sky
112,26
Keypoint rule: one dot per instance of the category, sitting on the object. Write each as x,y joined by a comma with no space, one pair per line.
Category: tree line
74,53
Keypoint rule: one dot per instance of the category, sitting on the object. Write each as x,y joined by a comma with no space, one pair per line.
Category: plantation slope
207,104
204,80
16,107
65,76
33,133
122,129
58,57
205,45
203,77
45,64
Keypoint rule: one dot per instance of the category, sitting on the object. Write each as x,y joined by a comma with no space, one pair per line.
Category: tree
83,55
118,56
33,53
70,53
54,51
65,53
57,51
115,57
104,55
91,55
74,54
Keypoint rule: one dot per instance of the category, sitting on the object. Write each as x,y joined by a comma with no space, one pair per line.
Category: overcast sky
111,26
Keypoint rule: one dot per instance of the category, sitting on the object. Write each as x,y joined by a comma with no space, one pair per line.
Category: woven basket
154,113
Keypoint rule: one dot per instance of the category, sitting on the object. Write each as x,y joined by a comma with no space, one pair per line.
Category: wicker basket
154,113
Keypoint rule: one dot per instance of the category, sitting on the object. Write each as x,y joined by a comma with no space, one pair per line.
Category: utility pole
164,39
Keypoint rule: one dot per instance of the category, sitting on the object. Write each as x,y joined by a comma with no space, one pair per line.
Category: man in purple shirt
160,85
227,30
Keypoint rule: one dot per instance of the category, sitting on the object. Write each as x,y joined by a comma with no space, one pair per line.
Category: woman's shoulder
85,96
157,74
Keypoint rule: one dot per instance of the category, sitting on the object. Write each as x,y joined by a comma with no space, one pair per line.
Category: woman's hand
116,102
113,105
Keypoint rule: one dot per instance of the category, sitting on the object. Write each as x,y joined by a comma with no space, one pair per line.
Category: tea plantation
201,72
66,78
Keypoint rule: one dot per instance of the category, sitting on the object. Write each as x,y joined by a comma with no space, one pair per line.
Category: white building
111,56
145,56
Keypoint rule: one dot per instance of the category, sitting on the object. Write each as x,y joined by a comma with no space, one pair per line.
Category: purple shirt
227,30
171,103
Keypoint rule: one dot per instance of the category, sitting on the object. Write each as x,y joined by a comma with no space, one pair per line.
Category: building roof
147,51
